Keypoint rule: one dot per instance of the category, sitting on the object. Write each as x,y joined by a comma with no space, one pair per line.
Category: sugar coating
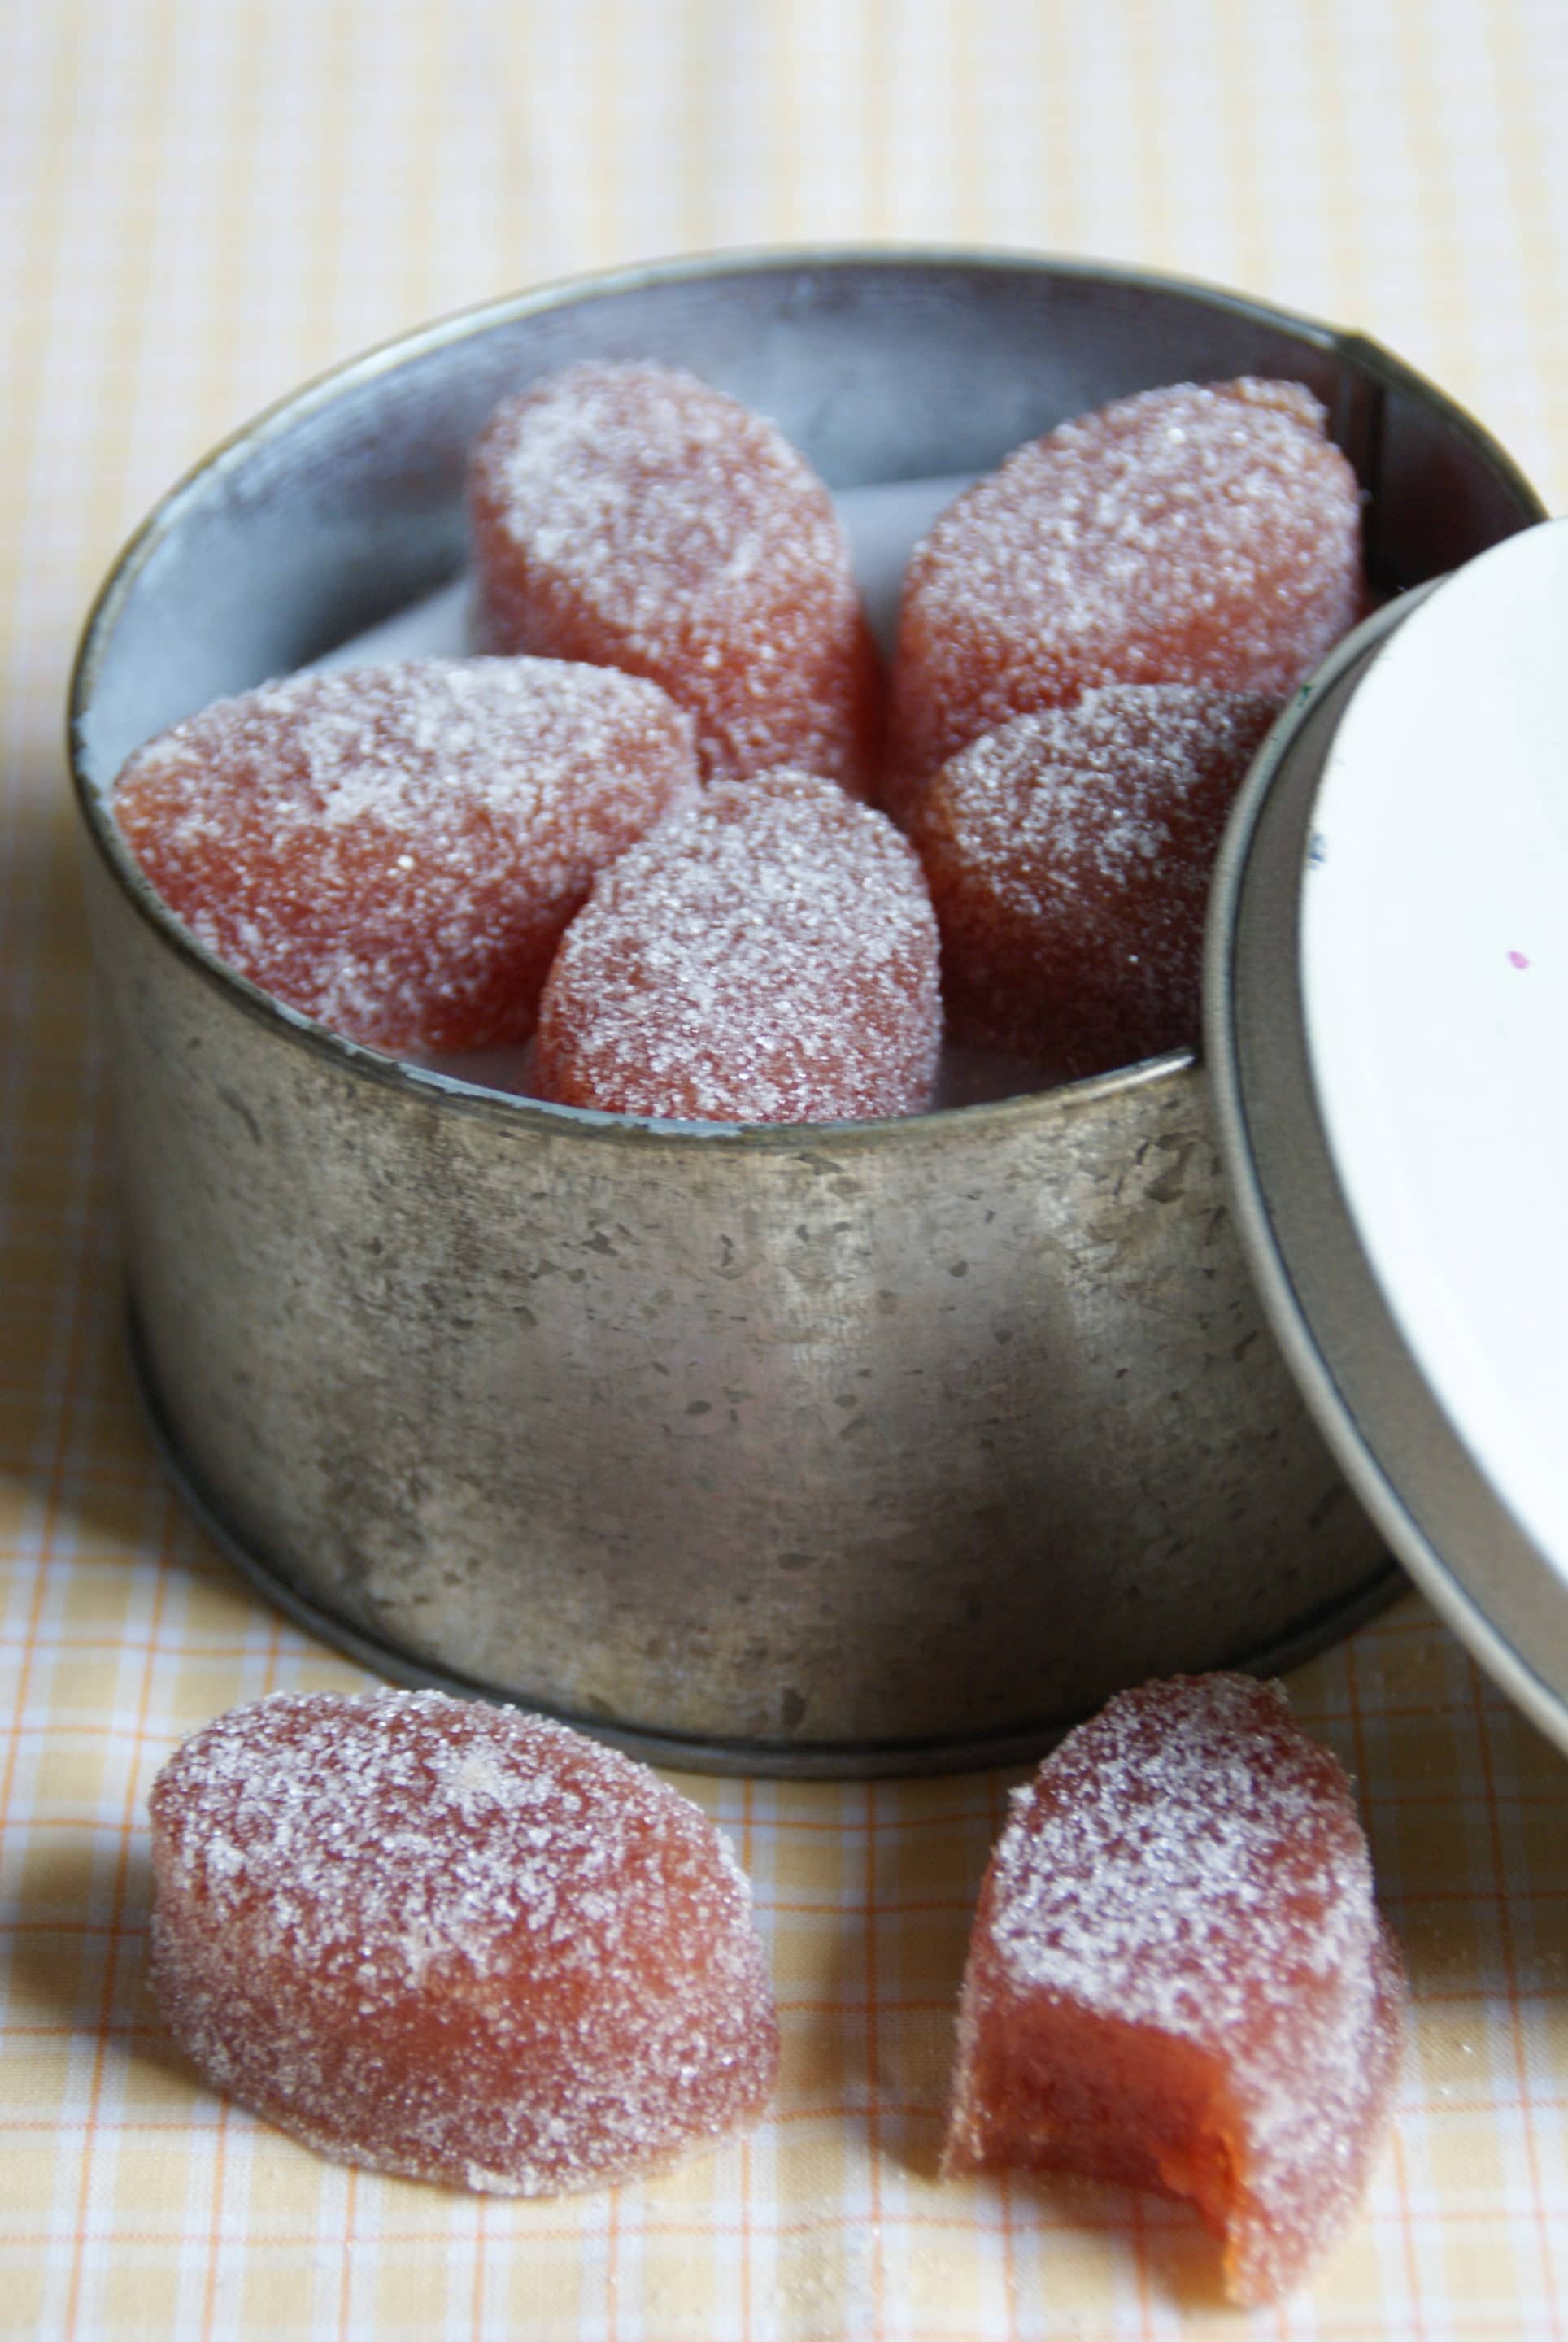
456,1942
1199,534
1178,1977
768,955
1069,857
631,514
396,850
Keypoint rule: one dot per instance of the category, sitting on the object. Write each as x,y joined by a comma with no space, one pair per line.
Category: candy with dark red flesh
1178,1979
456,1942
396,851
766,955
1202,534
632,515
1069,857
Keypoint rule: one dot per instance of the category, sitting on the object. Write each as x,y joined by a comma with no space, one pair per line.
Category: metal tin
867,1448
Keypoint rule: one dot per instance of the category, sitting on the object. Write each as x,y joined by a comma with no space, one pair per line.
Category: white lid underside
1435,971
1388,1026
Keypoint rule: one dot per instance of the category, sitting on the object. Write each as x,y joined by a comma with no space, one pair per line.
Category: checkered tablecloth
201,203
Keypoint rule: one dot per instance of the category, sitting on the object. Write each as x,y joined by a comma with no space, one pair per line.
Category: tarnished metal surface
901,1442
884,1433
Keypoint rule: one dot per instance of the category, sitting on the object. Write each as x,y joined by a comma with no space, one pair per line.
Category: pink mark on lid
1517,959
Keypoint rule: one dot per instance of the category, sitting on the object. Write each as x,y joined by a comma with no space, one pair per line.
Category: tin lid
1387,1034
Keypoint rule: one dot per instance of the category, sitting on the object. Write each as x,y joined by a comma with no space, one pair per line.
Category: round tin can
863,1448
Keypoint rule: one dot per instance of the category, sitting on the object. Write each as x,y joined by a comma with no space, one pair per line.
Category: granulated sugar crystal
396,850
1202,534
632,515
768,955
1069,857
456,1942
1178,1979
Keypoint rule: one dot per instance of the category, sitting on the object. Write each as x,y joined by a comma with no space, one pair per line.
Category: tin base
779,1760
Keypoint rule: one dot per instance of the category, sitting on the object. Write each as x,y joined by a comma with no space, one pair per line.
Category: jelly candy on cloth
456,1942
1178,1979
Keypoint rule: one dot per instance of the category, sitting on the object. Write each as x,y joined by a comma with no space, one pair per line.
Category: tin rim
525,1114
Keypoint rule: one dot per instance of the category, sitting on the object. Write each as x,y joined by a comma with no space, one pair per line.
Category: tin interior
867,1448
344,503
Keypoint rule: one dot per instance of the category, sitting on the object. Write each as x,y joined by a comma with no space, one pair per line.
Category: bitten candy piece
396,851
456,1942
766,955
1069,857
633,515
1203,534
1178,1979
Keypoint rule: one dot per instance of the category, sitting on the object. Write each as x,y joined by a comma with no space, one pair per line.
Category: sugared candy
455,1942
1178,1979
1069,857
396,850
1200,534
766,955
631,514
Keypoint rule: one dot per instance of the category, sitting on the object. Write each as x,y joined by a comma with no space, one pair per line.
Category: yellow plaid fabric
202,201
